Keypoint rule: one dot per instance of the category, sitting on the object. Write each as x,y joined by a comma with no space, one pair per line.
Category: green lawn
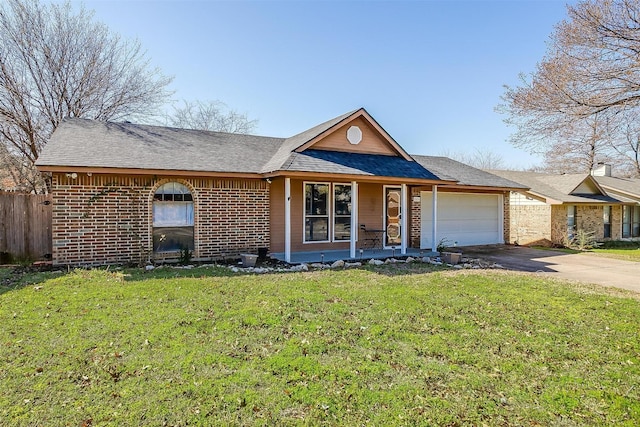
379,347
627,254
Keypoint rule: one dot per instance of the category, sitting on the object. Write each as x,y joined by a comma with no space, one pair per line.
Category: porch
361,255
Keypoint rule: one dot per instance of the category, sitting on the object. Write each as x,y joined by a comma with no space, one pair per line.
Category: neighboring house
627,189
556,206
124,192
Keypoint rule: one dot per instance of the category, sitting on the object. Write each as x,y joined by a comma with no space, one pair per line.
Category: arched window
172,218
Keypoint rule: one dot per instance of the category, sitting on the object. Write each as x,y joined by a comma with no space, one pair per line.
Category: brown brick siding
547,224
529,224
415,219
107,219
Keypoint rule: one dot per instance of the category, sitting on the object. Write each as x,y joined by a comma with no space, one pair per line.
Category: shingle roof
446,168
356,164
630,186
89,143
290,144
555,187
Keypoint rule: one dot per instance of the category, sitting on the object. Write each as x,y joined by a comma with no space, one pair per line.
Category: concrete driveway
583,267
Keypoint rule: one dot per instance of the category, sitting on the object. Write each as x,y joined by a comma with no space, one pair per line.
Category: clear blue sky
430,72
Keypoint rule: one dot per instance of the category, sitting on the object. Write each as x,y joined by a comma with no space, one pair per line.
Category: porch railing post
354,219
403,219
287,219
434,218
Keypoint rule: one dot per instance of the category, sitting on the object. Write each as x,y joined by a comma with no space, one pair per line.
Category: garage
464,218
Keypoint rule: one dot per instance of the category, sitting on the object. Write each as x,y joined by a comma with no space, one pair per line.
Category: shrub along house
555,207
130,193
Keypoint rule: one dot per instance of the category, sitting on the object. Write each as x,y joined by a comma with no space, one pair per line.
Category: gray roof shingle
446,168
356,164
630,186
89,143
556,187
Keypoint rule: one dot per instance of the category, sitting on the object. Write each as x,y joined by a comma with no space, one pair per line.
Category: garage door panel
468,219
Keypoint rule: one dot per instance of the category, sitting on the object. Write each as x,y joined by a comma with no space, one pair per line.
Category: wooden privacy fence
25,227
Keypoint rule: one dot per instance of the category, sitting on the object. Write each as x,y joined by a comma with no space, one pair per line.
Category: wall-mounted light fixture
72,175
268,180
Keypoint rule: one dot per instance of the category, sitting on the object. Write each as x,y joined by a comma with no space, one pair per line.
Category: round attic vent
354,135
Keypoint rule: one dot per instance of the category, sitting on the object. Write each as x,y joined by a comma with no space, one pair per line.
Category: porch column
287,219
404,215
434,218
354,219
501,218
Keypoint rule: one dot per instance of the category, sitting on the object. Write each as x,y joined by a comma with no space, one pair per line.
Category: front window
635,225
606,219
327,212
626,221
316,212
571,221
342,212
172,218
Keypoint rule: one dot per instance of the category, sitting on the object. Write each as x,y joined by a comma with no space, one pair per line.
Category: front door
392,227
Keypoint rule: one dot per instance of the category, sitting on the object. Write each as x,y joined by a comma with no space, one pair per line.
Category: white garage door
468,219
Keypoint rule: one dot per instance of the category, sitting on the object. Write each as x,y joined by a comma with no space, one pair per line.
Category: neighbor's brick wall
107,219
529,221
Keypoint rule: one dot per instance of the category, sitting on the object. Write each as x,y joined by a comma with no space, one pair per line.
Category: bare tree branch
211,115
57,63
571,106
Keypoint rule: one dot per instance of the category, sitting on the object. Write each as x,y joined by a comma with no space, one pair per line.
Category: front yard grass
626,254
353,347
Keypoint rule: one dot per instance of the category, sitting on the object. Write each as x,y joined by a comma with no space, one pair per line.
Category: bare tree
57,63
589,76
211,115
481,159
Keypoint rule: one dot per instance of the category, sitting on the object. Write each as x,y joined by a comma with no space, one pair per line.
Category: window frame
607,210
572,227
327,215
180,200
626,221
331,213
335,214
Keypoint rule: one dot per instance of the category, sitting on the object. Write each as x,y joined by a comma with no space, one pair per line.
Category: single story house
125,192
555,206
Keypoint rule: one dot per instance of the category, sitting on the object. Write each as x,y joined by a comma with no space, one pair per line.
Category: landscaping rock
149,267
338,264
390,261
410,259
300,267
353,264
376,262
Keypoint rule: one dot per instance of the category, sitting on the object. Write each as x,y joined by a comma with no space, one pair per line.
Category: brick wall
529,221
107,219
415,206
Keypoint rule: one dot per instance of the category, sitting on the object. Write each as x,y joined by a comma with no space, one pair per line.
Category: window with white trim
173,218
327,212
316,212
341,212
